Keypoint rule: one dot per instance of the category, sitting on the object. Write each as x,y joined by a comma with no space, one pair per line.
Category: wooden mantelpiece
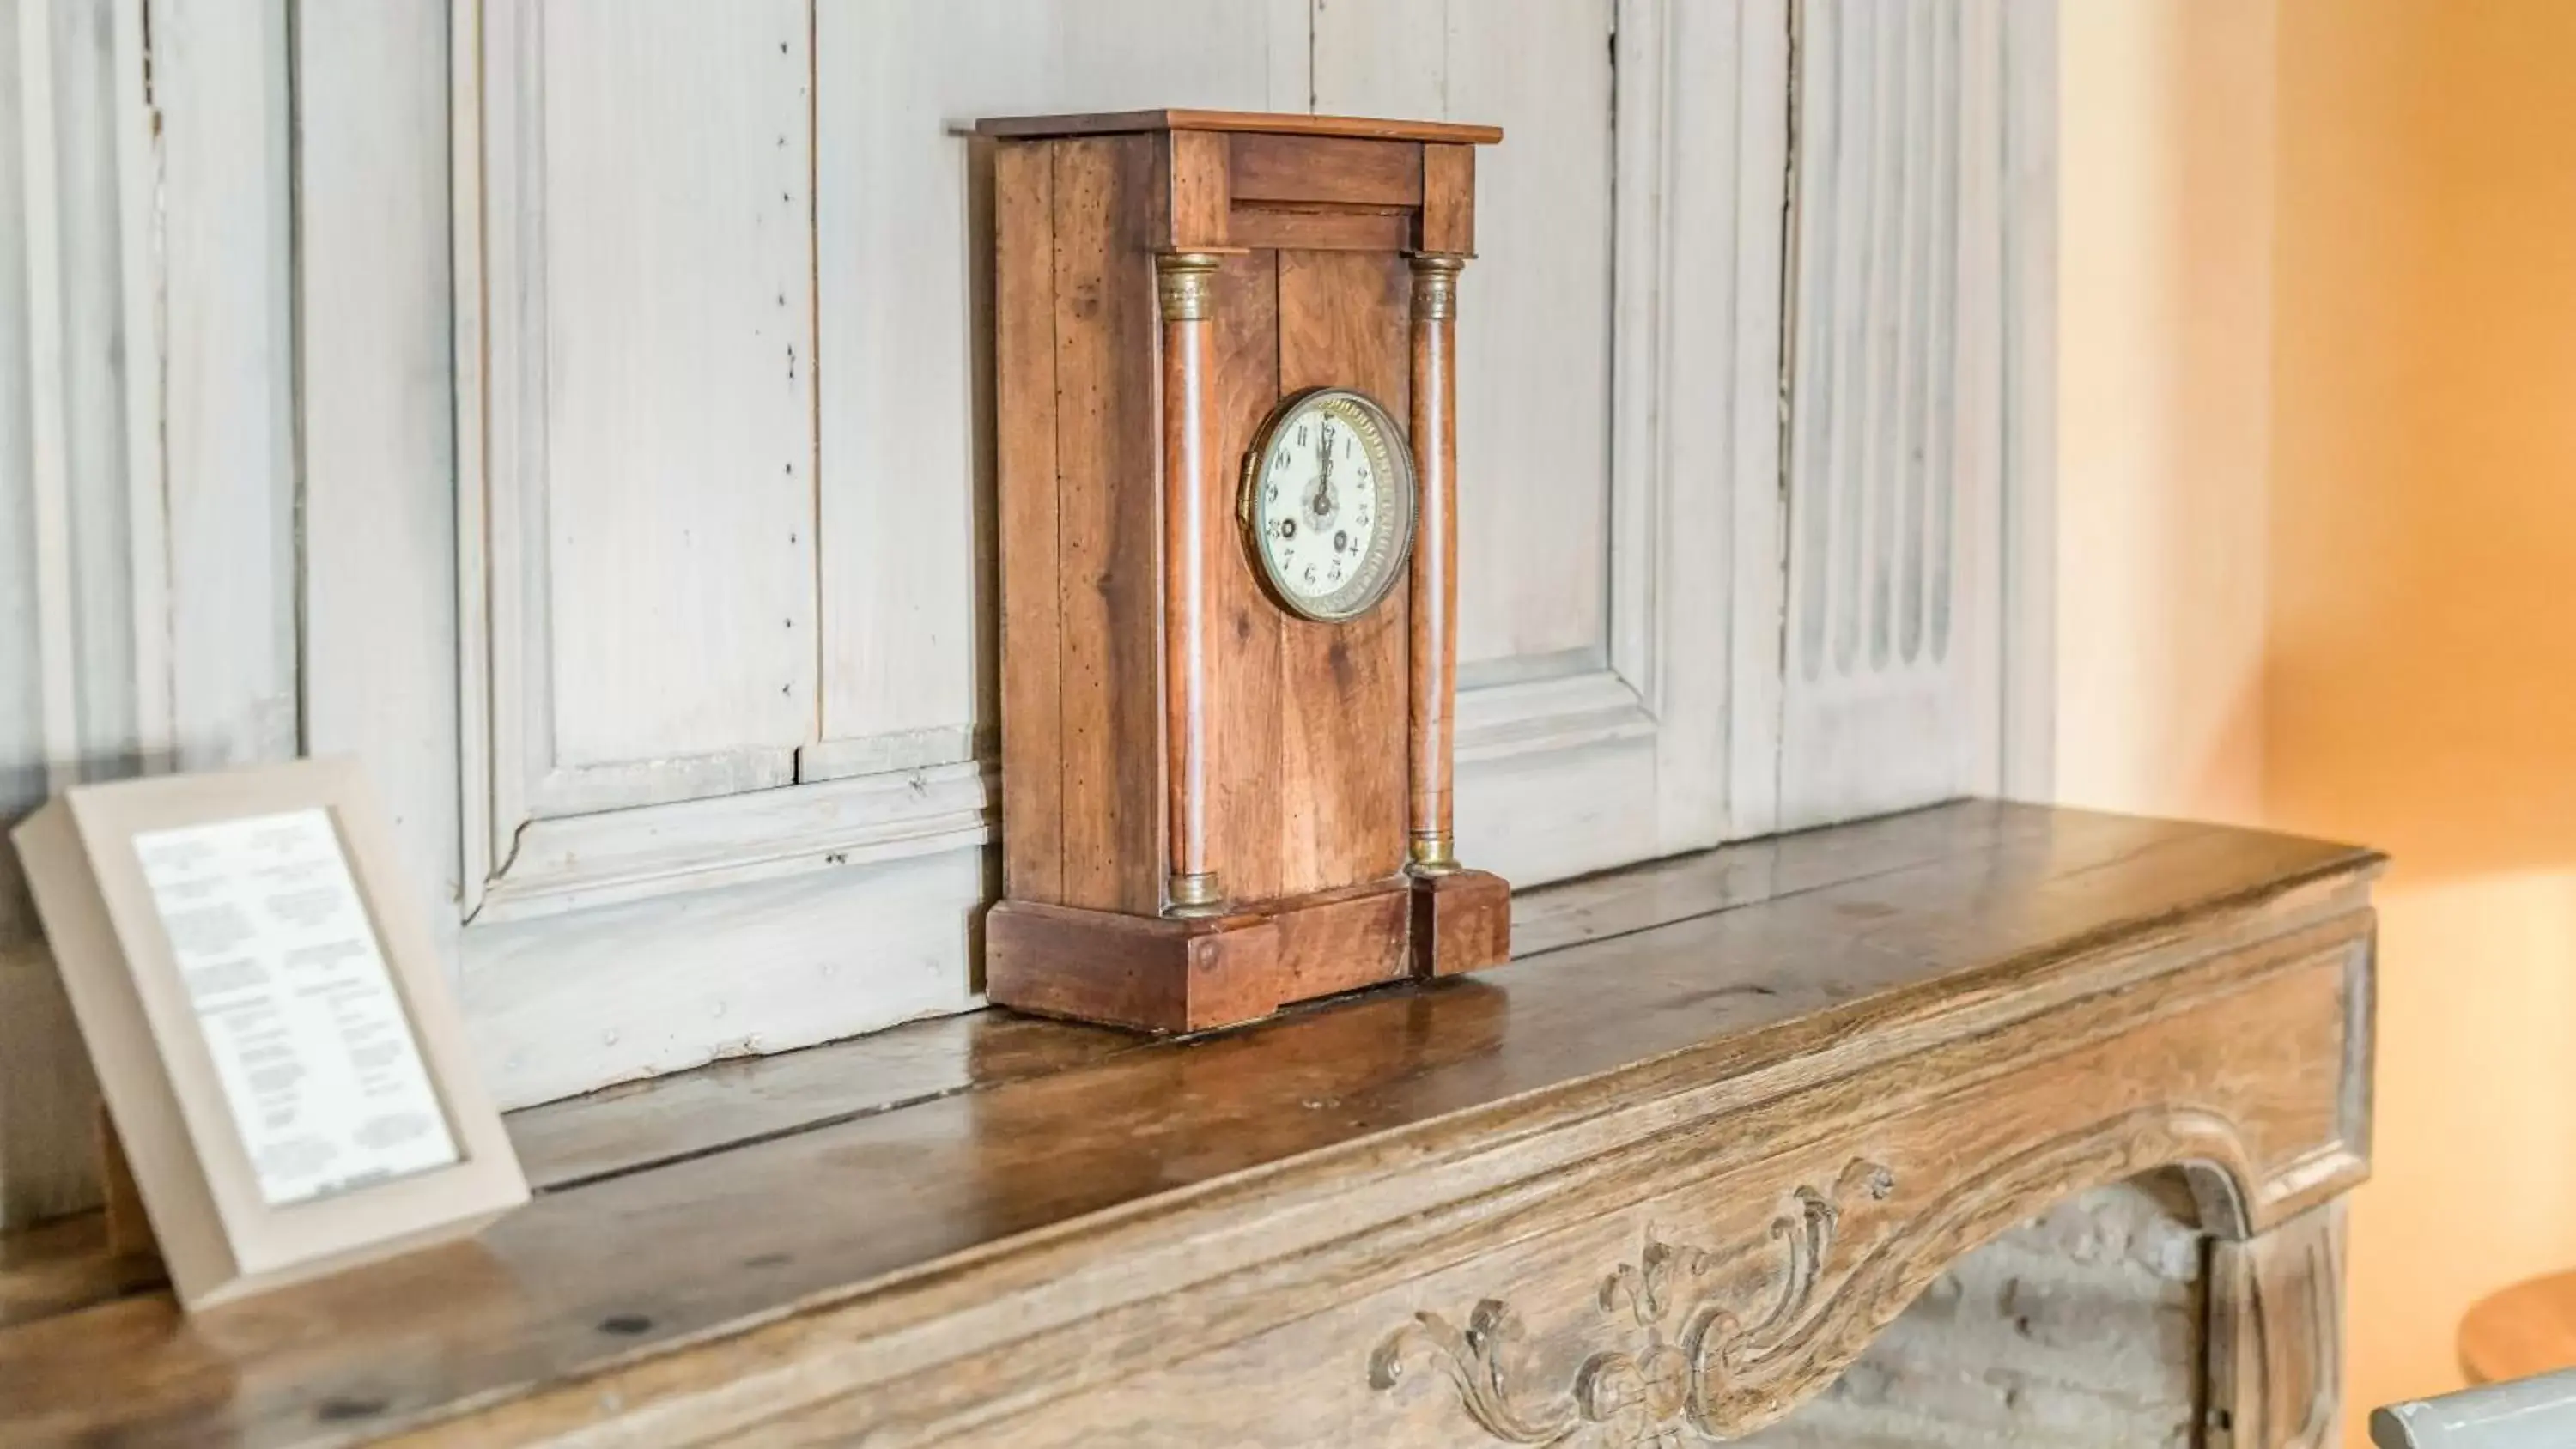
1674,1167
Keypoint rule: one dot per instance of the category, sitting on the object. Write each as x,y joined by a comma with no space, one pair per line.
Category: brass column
1185,282
1431,846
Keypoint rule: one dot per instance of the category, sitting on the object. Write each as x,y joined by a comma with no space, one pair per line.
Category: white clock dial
1328,504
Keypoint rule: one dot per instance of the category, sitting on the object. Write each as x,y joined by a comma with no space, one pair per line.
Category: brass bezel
1398,478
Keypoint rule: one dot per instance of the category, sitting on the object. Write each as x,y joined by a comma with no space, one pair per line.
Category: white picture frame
189,1086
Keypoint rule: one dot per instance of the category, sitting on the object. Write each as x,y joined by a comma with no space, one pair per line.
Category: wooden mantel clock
1224,375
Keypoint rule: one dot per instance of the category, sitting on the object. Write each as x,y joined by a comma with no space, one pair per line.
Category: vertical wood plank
1025,477
1343,322
83,626
374,311
674,501
1106,446
1245,721
220,81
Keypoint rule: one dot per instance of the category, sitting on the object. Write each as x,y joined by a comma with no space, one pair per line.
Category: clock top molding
1269,123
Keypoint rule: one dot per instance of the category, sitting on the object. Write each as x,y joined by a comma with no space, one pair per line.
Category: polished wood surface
1282,123
2529,1328
1936,1025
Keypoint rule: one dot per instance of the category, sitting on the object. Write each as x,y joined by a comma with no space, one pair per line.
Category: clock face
1328,504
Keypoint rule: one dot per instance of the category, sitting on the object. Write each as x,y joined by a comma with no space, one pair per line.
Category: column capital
1435,284
1186,283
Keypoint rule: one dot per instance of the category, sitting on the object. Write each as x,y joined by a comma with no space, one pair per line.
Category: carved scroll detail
1685,1336
1701,1363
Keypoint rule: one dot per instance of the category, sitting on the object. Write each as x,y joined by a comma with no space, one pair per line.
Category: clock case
1212,807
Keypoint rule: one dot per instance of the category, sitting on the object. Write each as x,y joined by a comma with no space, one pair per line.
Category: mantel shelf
982,1228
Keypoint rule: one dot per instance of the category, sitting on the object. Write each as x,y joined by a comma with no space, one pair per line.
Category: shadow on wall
2421,672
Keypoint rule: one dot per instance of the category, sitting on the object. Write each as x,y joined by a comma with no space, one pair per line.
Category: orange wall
2422,682
2164,423
2318,547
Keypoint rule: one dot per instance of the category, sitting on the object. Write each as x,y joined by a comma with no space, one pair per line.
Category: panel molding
146,593
1618,778
509,493
1921,295
614,856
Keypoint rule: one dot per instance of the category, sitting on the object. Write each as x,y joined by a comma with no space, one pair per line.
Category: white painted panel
379,458
1893,687
1551,784
679,373
1535,309
219,80
84,688
648,259
563,1004
905,390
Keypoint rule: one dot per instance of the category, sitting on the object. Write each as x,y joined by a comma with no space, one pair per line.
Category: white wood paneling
1556,780
1892,693
84,683
219,83
904,252
378,435
879,833
1534,336
640,908
675,981
648,274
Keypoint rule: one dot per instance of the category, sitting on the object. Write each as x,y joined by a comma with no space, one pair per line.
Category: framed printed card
277,1044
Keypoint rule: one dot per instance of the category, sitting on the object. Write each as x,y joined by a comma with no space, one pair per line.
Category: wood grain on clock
1312,172
1246,714
1342,321
1195,188
1300,229
1448,200
1025,486
1107,450
1175,741
1270,122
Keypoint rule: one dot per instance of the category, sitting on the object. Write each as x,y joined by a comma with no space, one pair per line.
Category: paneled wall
580,410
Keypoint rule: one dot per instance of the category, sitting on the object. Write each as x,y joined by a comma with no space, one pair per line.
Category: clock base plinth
1167,974
1462,921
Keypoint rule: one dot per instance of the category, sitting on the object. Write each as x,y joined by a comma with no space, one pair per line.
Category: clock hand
1326,500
